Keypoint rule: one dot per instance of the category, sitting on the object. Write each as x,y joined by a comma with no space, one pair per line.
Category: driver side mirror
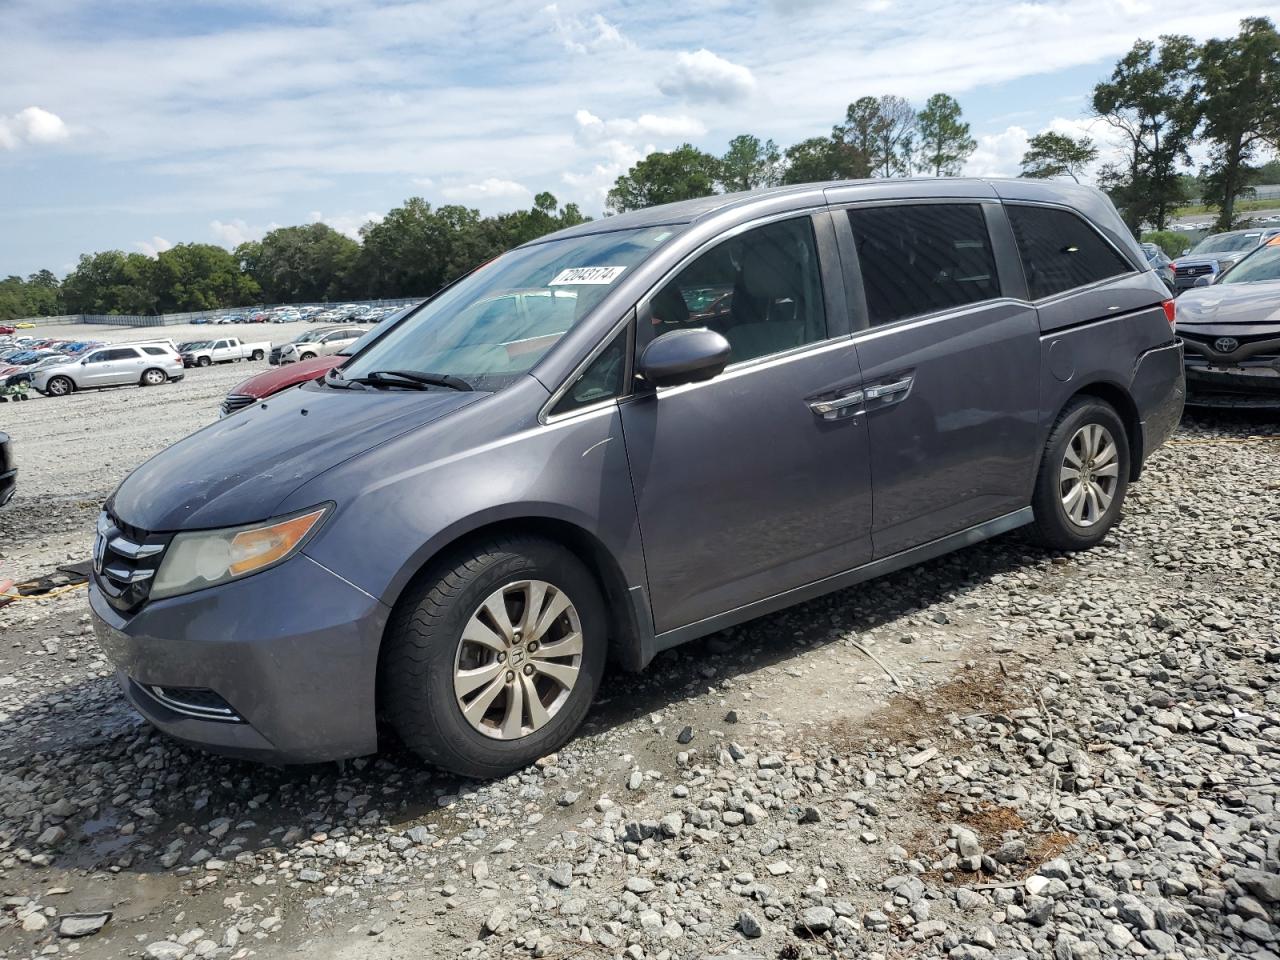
1185,252
683,356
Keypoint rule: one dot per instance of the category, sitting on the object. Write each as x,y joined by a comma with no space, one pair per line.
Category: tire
154,377
203,361
425,654
1072,514
59,387
258,355
307,356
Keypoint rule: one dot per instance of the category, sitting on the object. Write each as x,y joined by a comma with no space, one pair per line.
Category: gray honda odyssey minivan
626,435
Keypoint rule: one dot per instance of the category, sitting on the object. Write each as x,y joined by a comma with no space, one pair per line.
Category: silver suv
144,364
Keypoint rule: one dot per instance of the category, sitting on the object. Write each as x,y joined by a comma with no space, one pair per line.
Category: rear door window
919,259
1060,251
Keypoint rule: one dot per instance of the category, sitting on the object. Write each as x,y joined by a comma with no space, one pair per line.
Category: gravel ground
1000,754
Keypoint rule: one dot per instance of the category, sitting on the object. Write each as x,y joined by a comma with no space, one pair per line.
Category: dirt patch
909,716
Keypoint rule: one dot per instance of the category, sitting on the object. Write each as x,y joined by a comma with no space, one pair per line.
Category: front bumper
1233,385
293,652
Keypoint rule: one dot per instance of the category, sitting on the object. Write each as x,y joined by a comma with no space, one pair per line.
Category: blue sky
137,124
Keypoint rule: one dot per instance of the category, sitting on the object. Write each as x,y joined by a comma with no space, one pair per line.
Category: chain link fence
211,316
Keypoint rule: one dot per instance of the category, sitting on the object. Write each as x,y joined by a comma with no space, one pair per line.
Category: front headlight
205,558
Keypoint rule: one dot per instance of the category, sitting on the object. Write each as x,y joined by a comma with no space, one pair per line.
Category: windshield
1227,243
1263,264
198,344
500,321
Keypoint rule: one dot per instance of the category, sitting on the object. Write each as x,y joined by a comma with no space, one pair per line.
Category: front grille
1194,270
125,561
236,401
199,702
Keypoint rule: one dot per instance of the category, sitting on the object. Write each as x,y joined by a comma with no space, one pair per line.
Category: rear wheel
154,377
59,386
1084,475
492,660
258,355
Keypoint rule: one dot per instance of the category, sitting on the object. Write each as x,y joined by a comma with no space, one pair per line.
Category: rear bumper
292,652
1159,392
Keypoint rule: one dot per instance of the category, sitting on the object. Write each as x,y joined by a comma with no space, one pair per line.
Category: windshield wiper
413,379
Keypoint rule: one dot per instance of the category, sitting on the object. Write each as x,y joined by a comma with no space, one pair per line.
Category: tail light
1170,312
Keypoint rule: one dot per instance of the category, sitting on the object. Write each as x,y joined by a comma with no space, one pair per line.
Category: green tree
199,276
813,161
1052,154
111,282
1152,100
894,137
682,174
943,143
749,164
857,139
509,230
1240,82
299,264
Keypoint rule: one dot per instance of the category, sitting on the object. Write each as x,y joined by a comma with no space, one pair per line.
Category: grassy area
1242,206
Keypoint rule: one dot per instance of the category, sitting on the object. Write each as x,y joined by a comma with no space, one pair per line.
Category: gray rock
815,920
749,925
76,925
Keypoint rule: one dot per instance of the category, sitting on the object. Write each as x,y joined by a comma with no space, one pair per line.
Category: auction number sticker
587,275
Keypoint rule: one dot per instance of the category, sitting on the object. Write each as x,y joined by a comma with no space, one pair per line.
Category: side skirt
868,571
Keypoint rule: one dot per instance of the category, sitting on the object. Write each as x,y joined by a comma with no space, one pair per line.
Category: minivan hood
239,469
1252,303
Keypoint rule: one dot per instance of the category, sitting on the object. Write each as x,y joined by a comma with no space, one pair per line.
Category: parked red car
250,391
5,330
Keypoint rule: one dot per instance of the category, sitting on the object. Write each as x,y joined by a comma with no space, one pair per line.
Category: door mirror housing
683,356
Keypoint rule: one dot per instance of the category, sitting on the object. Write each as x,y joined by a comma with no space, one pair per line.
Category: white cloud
1040,14
584,36
153,247
488,189
232,233
347,223
424,182
702,75
592,129
31,125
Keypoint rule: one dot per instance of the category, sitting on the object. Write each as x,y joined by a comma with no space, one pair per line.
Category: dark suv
569,455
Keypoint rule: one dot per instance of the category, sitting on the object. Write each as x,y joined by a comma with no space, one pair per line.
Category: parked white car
323,346
121,364
223,350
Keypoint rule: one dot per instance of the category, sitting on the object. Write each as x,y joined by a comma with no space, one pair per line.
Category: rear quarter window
1060,251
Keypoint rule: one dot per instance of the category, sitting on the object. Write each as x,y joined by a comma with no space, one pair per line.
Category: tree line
414,250
879,137
1162,99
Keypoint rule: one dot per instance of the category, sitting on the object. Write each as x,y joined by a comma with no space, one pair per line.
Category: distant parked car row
1199,265
344,313
22,357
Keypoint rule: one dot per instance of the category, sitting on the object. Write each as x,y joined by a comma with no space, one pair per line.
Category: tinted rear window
922,259
1060,251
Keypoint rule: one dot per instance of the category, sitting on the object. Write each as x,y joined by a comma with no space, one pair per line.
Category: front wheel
1084,475
307,356
204,361
491,661
59,387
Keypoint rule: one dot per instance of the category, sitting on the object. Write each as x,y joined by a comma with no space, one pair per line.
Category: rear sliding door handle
829,408
888,389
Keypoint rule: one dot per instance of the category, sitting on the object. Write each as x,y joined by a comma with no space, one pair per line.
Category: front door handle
827,409
888,389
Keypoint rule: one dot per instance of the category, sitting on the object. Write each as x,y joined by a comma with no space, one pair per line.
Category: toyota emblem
1226,344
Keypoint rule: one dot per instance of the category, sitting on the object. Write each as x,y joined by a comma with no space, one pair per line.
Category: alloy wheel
518,659
59,387
1089,475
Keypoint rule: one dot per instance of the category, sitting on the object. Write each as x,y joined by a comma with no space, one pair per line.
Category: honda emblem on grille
99,552
1226,344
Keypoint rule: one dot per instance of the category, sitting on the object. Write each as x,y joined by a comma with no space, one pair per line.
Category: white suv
322,346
